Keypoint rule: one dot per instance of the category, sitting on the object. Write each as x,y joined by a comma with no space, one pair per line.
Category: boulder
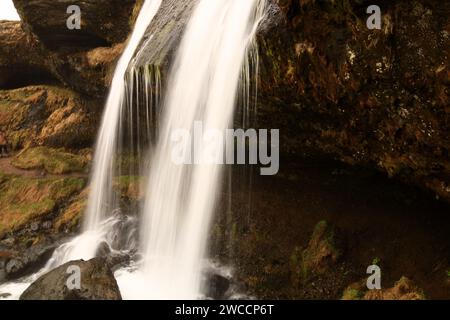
217,286
322,251
404,289
2,273
4,256
41,49
103,22
97,283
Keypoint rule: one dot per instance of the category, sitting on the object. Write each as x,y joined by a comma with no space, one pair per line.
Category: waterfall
180,199
100,196
99,221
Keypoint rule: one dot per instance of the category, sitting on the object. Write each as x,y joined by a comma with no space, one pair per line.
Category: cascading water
99,219
101,195
180,199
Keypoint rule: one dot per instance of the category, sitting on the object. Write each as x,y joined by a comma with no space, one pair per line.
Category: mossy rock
404,289
323,251
71,217
129,187
47,115
352,294
355,291
51,160
24,199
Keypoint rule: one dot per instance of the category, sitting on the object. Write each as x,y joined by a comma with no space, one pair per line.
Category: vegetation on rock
70,219
25,199
404,289
51,160
320,255
46,115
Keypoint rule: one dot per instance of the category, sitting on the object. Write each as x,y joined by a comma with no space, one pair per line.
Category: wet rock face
374,97
166,31
97,282
29,261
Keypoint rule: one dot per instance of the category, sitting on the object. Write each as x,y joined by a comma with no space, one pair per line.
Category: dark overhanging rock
104,22
22,61
80,59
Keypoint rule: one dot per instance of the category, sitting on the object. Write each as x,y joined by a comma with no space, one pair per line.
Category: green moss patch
71,217
51,160
25,199
352,294
320,255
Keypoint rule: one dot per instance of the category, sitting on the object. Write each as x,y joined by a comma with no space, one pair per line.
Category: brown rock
322,253
377,98
103,22
47,115
404,289
97,283
48,52
22,61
